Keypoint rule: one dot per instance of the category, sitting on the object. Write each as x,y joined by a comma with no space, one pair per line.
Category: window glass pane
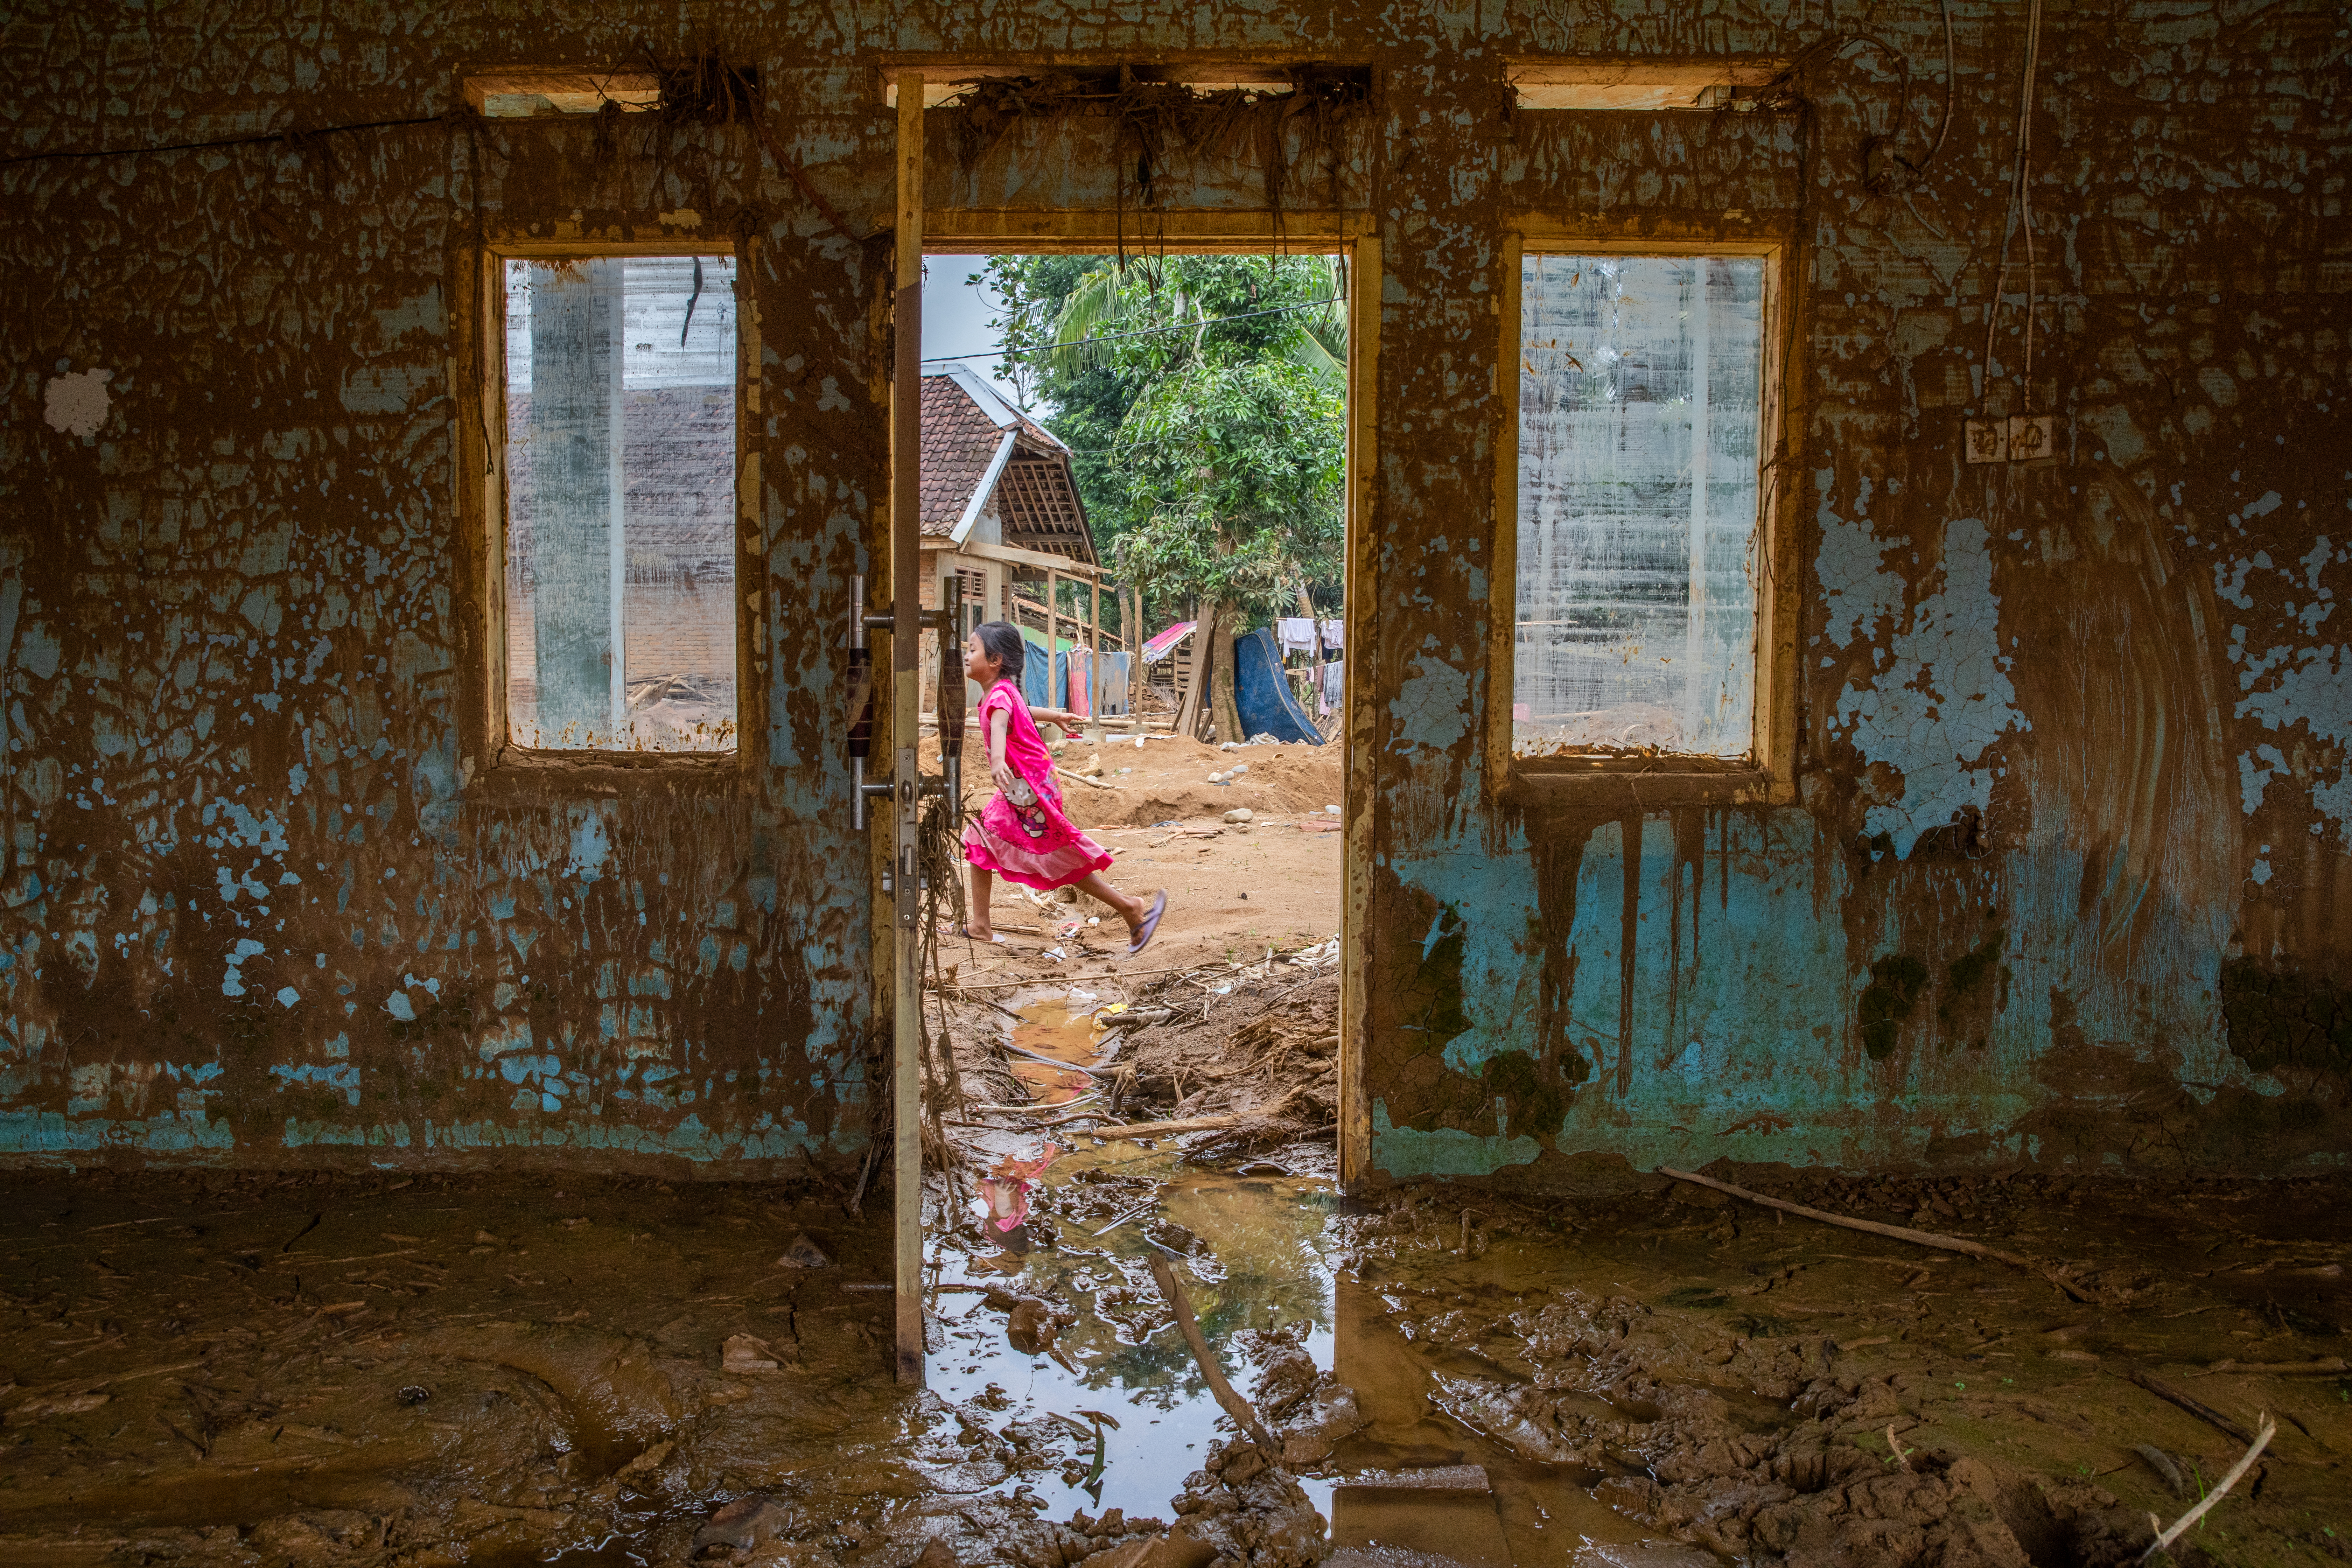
621,503
1640,391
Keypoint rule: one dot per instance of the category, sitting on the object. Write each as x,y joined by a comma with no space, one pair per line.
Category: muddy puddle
1263,1261
1075,1027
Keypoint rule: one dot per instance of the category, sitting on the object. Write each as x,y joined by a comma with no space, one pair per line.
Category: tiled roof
1036,434
958,441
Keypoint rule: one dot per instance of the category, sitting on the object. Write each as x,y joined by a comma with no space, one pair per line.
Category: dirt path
1233,889
1232,894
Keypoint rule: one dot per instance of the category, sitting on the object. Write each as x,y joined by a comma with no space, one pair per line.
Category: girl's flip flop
1150,924
965,933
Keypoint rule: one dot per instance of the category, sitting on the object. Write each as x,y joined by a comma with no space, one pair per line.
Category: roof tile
960,440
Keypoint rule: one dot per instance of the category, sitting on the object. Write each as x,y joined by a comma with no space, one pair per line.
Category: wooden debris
1236,1405
1044,1060
1168,1128
2198,1408
2165,1536
1940,1242
2327,1367
1138,1130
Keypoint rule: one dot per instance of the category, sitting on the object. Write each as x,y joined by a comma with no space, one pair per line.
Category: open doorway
1174,559
1183,616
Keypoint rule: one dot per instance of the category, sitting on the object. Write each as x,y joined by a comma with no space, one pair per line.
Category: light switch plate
1988,440
2031,435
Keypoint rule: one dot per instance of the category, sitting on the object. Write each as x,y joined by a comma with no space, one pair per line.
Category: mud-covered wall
268,896
2058,882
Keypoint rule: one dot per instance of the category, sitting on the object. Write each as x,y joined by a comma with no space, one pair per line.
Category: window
620,493
1639,547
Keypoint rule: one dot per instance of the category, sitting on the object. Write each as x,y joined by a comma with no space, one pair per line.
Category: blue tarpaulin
1262,692
1037,676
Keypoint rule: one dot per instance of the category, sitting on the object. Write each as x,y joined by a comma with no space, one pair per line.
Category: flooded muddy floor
384,1370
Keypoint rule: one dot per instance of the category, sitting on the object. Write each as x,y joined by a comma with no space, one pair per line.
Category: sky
955,319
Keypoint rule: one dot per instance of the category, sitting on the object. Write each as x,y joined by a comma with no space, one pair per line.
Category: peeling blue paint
1943,703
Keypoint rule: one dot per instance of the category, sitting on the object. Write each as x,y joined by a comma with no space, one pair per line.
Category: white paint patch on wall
2255,770
1944,699
77,402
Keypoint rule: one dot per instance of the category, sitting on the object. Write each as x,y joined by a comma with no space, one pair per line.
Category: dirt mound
1166,779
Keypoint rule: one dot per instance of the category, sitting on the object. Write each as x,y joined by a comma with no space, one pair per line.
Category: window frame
488,754
1769,775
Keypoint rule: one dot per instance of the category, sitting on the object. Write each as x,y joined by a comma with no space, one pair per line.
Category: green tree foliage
1204,397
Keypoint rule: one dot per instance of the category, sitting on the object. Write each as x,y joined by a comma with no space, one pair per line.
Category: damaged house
1844,518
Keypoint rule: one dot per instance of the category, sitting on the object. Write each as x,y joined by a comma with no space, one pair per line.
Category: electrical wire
1139,333
2018,216
1944,126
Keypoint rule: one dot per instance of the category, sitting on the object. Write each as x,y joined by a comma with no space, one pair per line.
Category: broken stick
2199,1408
1166,1129
1941,1243
1194,1123
1236,1405
1044,1060
2165,1537
2328,1367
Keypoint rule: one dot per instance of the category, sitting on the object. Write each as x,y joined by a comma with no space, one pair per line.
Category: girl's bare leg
976,922
1131,911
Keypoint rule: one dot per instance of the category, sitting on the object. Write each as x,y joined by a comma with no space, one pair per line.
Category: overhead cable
1139,333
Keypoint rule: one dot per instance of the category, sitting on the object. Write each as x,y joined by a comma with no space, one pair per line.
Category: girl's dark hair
1002,641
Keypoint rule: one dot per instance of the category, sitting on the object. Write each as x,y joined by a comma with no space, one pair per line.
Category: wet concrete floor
207,1368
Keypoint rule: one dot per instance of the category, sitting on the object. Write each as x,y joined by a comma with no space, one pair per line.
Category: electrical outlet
2031,435
1988,440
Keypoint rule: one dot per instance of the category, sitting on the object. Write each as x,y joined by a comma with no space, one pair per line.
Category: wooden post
1093,648
906,648
1136,674
1054,624
1357,753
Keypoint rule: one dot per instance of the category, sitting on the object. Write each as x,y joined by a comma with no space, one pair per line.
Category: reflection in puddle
1251,1258
1256,1254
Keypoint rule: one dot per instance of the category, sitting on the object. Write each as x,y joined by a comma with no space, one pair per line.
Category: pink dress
1032,842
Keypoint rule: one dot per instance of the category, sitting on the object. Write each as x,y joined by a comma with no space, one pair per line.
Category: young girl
1023,833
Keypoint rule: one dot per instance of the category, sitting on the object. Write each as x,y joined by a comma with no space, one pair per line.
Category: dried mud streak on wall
2188,328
